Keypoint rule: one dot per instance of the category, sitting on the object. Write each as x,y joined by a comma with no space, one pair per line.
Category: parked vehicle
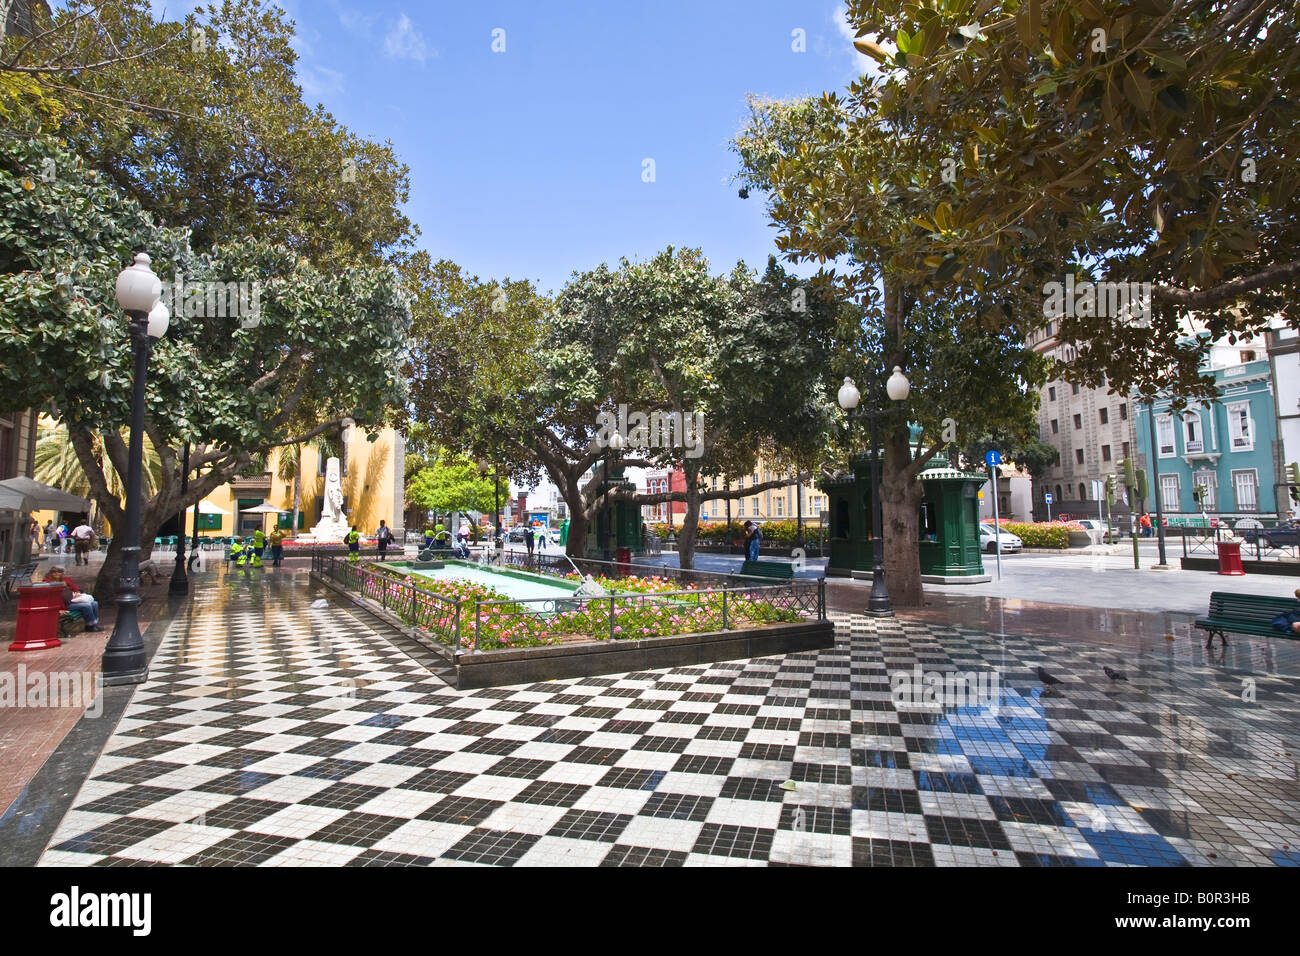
1115,532
516,533
1285,535
1003,541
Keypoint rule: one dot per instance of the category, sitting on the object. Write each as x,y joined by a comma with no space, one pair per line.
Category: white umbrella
265,508
45,497
210,509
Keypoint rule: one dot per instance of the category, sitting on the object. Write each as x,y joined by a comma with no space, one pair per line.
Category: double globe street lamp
138,292
879,605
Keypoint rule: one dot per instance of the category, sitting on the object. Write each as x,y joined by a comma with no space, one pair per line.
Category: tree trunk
106,582
297,498
690,524
900,501
577,541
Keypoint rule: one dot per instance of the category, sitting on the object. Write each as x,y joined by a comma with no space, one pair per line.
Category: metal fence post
724,608
611,617
457,644
476,619
821,599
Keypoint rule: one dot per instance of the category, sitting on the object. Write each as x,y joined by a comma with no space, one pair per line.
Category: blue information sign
1048,498
992,458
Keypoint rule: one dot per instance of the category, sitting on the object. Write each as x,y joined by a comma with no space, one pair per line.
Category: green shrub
1053,535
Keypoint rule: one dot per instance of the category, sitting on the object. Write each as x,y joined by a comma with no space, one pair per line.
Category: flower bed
638,607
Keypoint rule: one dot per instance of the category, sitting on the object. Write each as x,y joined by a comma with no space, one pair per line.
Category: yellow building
372,482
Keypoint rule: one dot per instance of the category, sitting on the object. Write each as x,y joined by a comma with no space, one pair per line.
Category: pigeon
1047,678
1114,674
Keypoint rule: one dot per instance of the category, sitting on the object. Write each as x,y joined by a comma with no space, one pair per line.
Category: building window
1104,415
755,507
1078,456
1245,488
1074,388
1123,413
1125,446
817,506
1240,427
1169,492
1192,438
741,507
1105,453
1210,482
1059,497
780,506
1247,355
1051,393
1165,435
1083,492
1054,428
1078,422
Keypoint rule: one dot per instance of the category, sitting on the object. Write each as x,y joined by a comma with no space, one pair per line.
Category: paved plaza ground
274,733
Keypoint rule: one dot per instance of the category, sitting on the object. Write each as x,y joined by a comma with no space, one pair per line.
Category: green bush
1040,535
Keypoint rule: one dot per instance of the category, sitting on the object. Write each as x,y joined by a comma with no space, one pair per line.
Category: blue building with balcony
1227,447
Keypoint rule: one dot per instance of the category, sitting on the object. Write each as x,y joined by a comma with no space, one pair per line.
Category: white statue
333,523
333,493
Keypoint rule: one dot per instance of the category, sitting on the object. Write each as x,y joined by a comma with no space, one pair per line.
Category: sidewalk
29,734
273,733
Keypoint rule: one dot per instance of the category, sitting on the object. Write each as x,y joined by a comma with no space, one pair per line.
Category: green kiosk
948,526
616,526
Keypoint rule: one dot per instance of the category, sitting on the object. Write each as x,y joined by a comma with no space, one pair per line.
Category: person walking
259,547
83,536
383,537
277,547
528,539
753,537
353,539
1144,523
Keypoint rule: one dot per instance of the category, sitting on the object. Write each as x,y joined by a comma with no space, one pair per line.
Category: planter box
523,665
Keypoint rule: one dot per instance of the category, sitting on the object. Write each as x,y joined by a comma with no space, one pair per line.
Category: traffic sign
992,458
1048,498
704,516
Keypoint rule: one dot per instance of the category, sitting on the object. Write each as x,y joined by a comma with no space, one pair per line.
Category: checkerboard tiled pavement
270,733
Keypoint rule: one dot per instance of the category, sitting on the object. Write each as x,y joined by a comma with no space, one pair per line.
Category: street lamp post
615,446
879,604
180,582
483,467
138,290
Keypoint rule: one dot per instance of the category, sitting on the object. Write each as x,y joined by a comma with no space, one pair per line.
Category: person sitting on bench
75,600
1289,620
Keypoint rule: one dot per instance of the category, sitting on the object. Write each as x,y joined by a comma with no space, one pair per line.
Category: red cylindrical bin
624,558
1230,558
39,607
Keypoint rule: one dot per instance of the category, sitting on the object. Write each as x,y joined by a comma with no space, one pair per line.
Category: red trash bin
624,558
1230,557
39,607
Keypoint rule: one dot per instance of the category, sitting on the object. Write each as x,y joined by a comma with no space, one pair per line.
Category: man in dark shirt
1289,620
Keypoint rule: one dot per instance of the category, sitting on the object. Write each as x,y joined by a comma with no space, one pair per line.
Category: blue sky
528,163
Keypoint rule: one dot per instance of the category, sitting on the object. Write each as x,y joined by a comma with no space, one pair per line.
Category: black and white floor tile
271,733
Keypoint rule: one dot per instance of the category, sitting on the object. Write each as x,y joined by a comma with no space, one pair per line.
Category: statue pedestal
329,532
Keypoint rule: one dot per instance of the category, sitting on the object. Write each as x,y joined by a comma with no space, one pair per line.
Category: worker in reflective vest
353,539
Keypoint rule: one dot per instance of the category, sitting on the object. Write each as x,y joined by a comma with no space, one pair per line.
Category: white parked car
1004,541
1099,528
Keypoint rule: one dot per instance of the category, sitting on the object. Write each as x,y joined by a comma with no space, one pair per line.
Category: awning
45,498
11,500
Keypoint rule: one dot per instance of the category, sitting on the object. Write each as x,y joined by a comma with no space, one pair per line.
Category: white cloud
861,62
405,42
319,82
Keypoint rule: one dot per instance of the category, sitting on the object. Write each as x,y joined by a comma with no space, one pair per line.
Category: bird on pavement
1114,674
1047,678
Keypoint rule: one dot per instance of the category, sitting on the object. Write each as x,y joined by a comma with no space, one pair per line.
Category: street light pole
138,290
1154,484
180,582
879,604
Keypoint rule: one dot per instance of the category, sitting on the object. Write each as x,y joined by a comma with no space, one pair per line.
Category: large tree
1149,142
321,348
962,348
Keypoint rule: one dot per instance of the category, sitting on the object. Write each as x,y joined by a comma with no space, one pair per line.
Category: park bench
1243,614
767,569
12,579
70,624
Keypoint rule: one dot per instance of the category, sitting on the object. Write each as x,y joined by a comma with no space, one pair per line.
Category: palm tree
57,464
288,467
